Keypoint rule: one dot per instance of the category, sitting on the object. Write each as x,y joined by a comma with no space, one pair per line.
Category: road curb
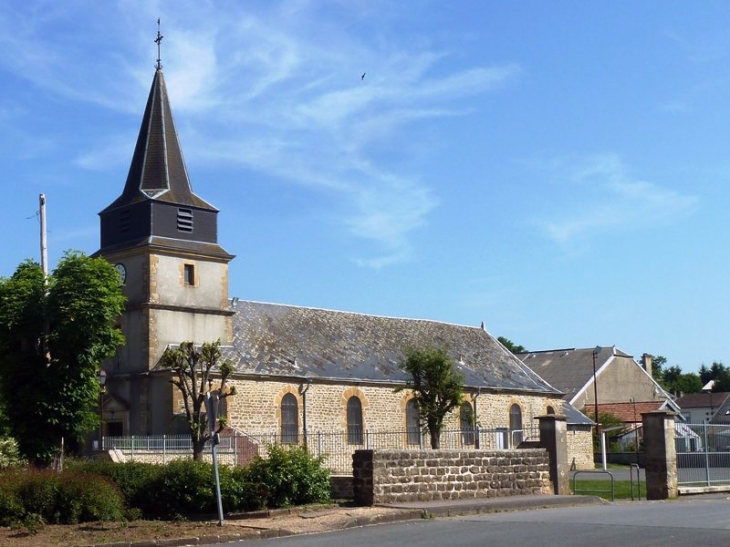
417,512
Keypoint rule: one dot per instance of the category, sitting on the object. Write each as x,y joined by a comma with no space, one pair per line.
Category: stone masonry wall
391,476
256,407
580,448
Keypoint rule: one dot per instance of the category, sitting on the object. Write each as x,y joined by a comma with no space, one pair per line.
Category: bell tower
163,239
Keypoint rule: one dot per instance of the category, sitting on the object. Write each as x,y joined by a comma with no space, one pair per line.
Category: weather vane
158,41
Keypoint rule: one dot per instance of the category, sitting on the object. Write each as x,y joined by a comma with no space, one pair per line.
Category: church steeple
158,205
158,170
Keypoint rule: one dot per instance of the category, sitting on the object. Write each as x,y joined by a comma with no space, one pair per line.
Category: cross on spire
158,41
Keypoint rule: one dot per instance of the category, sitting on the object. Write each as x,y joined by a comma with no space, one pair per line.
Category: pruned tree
54,335
194,369
436,385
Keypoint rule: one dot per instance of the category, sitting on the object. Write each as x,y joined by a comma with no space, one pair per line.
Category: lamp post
596,351
102,389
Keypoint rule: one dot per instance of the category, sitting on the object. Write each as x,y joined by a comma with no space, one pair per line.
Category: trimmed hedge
97,490
58,498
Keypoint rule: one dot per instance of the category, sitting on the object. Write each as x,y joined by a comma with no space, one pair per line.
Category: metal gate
703,454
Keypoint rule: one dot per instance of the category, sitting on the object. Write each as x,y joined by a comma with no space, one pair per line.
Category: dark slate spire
158,207
158,170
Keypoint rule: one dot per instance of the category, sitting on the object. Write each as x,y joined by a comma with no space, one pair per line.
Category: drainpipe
303,388
474,398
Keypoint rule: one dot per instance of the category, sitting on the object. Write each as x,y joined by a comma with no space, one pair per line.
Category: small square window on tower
189,275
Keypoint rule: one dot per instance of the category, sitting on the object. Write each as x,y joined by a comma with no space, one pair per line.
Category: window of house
515,424
354,420
289,419
466,421
413,423
550,410
189,274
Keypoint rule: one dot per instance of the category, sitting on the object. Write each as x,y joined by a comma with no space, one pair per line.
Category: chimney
647,363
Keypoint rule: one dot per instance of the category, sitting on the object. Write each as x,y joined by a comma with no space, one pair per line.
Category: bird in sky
363,76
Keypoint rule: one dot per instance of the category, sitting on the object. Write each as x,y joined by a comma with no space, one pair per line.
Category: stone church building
297,370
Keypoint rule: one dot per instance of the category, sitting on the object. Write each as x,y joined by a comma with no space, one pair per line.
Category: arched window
413,423
289,419
466,420
515,424
354,420
550,410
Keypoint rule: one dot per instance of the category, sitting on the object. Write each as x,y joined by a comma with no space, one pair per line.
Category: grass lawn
602,488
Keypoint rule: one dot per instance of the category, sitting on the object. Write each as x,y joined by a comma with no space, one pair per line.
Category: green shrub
132,478
183,487
289,476
239,493
85,497
11,507
57,498
9,453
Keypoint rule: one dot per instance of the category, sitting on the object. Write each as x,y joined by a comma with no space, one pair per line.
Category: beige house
618,377
297,370
619,382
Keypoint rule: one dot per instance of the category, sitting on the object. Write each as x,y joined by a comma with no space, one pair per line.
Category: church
297,370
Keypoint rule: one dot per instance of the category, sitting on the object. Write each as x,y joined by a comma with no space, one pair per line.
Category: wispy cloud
276,88
606,197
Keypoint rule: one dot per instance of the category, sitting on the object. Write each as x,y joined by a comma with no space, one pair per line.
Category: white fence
336,448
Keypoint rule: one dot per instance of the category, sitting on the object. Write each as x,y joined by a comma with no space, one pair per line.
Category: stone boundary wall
394,476
161,458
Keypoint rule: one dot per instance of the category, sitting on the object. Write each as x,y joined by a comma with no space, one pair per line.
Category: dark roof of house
158,169
574,416
290,341
703,400
569,370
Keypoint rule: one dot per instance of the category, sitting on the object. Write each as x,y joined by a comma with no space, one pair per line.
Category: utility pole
44,238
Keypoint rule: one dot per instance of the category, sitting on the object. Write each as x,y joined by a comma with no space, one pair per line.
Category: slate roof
570,369
165,244
574,416
158,169
703,400
279,340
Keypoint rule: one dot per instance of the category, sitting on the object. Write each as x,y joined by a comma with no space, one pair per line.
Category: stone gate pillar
554,439
660,455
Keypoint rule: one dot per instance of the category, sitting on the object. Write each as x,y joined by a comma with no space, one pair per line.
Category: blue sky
557,170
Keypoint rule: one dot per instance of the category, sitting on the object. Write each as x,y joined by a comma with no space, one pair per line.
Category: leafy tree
607,422
676,381
193,369
437,387
717,372
510,345
54,335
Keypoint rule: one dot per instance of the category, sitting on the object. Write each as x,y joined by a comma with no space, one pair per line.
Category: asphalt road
692,521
